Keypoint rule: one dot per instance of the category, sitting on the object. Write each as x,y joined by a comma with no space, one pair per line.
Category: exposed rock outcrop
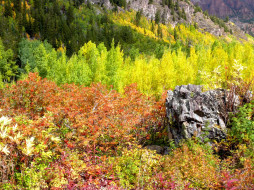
241,12
192,112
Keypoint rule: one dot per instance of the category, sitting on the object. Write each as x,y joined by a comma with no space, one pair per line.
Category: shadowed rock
192,112
158,149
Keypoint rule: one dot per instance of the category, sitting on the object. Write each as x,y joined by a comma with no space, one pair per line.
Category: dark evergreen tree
150,2
122,3
89,5
126,34
158,16
183,14
163,3
70,15
197,9
28,26
206,13
38,4
196,25
172,11
177,7
163,18
7,9
56,8
175,34
70,47
152,29
138,17
227,19
77,3
17,6
159,31
174,18
170,4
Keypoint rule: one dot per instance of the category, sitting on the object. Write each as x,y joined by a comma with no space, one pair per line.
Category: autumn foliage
76,137
90,121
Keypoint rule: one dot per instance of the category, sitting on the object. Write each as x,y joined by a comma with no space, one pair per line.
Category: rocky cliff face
243,9
240,12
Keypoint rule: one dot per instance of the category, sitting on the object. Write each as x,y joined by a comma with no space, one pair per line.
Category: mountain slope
240,11
177,12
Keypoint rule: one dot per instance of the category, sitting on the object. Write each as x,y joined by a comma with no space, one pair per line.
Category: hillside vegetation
83,90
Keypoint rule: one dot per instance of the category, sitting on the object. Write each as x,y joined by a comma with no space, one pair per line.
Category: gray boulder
158,149
192,112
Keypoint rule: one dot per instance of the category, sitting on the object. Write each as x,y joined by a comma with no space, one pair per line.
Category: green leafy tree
39,56
8,68
113,66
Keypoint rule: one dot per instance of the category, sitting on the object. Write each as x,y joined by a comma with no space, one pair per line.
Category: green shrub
135,167
243,124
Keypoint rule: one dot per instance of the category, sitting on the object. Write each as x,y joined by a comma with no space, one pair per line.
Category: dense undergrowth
76,114
80,137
